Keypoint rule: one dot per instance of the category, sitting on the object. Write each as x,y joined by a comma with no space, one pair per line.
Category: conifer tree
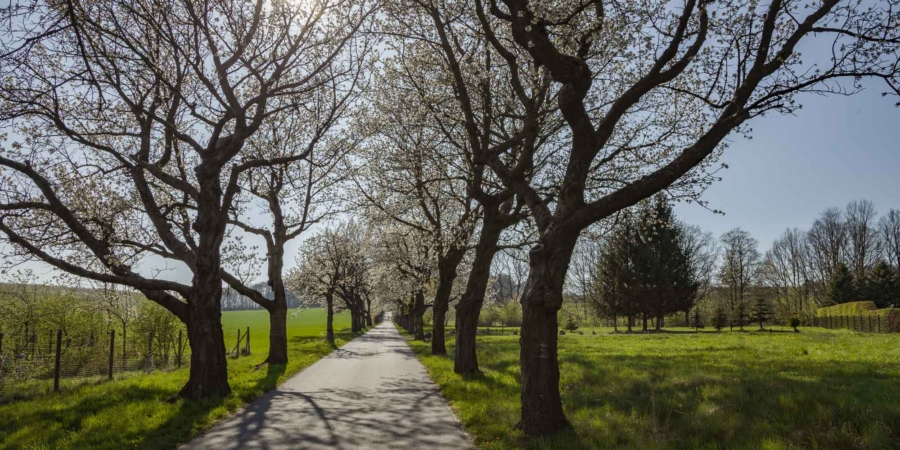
761,312
881,285
842,286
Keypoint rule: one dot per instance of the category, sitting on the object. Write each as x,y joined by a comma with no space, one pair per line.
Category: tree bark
209,366
542,411
278,335
329,323
447,267
465,361
417,316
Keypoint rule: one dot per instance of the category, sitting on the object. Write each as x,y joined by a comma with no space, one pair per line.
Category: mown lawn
132,412
817,389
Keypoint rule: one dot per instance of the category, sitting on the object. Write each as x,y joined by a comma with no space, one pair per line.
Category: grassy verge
132,412
742,390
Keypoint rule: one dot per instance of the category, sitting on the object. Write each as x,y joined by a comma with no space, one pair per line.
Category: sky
835,150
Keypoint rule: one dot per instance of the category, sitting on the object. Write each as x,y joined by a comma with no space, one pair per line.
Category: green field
815,389
133,412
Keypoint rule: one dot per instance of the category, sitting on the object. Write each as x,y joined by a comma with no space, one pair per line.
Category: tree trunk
209,367
465,361
659,323
542,411
278,335
278,312
329,322
447,266
368,312
419,313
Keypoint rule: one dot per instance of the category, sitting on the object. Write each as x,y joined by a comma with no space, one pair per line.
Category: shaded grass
744,390
132,412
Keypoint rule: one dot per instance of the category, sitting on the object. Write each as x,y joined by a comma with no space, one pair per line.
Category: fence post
1,344
879,324
870,324
112,351
150,353
56,364
50,345
248,340
180,347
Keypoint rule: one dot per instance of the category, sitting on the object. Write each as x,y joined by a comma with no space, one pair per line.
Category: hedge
848,309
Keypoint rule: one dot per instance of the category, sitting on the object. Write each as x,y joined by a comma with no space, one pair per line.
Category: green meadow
133,412
817,389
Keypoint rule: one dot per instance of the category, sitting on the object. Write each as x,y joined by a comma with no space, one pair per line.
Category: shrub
847,309
571,324
795,322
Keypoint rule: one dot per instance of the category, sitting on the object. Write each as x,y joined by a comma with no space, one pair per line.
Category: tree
620,95
761,312
300,191
134,129
703,254
739,269
882,286
889,226
827,246
698,319
863,239
720,320
784,269
842,286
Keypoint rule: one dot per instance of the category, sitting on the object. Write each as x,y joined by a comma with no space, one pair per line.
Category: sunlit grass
742,390
133,412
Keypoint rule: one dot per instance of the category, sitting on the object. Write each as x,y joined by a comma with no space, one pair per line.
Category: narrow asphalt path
370,394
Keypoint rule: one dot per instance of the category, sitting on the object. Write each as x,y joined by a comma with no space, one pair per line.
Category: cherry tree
649,92
128,128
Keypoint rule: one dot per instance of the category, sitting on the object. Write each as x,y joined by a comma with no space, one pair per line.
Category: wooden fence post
180,347
150,353
112,351
879,324
56,364
1,344
248,340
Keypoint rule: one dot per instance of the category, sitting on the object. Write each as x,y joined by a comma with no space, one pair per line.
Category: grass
132,412
818,389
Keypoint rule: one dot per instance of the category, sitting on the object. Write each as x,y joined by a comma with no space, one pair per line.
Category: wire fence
45,359
865,323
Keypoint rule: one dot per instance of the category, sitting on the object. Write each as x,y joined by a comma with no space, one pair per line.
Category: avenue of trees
414,147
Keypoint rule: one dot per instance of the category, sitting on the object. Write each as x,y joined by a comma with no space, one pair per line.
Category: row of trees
649,265
176,129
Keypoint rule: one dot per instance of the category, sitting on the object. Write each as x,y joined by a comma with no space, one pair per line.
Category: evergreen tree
761,313
721,318
841,287
645,269
881,285
741,315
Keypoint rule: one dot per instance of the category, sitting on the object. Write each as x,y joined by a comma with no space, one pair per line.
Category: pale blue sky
836,149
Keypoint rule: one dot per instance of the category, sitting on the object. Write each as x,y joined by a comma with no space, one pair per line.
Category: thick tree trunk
631,324
418,314
368,312
278,353
659,323
465,361
542,411
209,366
447,266
278,335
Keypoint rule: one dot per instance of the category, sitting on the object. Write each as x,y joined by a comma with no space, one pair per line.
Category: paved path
370,394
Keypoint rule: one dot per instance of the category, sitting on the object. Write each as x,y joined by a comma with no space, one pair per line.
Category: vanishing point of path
370,394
